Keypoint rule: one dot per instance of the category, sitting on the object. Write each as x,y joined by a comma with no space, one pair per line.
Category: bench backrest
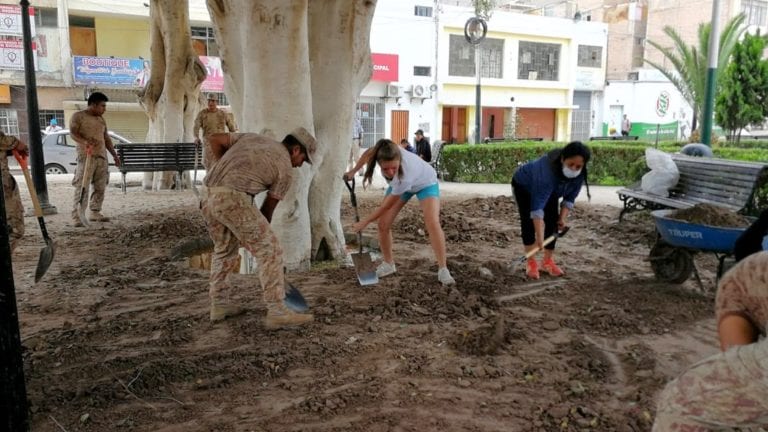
158,156
727,182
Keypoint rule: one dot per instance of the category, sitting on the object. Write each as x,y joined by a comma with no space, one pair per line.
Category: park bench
614,138
726,183
154,157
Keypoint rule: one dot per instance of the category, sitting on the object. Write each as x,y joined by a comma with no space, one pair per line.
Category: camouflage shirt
7,143
743,291
212,122
92,128
253,164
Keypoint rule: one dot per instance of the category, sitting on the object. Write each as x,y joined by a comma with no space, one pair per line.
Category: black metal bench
615,138
726,183
154,157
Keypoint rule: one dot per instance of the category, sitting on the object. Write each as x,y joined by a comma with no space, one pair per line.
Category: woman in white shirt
408,175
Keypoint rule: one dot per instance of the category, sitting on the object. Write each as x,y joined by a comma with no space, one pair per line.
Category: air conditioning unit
417,91
393,90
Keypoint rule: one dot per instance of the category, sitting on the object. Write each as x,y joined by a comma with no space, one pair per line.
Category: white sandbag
664,174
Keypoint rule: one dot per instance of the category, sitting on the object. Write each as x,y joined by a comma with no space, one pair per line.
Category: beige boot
96,216
279,315
220,311
76,222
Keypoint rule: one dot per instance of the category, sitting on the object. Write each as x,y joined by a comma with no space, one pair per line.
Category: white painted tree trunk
171,108
290,63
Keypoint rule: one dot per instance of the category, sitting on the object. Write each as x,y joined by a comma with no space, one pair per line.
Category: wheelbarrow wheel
671,264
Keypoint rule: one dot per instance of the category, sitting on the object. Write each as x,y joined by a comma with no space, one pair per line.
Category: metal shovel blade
81,209
293,299
366,271
45,260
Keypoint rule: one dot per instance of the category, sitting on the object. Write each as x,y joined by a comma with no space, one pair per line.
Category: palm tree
689,63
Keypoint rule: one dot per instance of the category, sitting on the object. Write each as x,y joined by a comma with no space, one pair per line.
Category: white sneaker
385,269
444,276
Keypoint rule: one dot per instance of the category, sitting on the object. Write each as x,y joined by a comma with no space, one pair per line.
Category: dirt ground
116,336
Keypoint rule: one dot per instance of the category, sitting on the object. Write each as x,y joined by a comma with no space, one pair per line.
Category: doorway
616,113
399,125
454,125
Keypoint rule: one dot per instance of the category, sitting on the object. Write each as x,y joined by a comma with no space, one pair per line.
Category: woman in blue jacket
538,186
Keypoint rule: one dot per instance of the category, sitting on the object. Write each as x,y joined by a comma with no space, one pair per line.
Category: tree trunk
288,64
171,109
694,121
339,51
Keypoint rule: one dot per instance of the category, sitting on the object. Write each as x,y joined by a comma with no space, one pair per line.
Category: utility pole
37,162
709,95
13,391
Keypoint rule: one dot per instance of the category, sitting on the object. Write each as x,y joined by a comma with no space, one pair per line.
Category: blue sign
109,71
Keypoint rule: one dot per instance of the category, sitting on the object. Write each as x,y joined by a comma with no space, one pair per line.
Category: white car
60,153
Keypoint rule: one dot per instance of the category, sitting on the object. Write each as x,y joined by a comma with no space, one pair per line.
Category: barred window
422,11
422,71
538,61
590,56
462,57
47,115
755,11
9,122
46,17
204,41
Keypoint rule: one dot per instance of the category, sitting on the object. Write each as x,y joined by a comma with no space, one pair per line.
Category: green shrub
614,163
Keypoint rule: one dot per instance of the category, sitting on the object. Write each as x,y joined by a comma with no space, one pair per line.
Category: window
755,11
221,99
422,71
538,61
590,56
204,41
462,57
422,11
9,122
46,17
47,115
372,120
81,21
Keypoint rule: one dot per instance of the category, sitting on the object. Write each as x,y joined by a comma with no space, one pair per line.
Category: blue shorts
431,191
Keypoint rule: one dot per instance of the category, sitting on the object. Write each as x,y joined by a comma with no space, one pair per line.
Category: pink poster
214,82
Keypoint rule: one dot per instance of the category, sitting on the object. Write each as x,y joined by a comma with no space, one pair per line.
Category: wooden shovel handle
28,179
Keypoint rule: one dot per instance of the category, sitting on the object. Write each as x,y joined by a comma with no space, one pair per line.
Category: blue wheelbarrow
678,241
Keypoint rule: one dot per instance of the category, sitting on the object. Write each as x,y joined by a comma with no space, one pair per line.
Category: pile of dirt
712,215
161,229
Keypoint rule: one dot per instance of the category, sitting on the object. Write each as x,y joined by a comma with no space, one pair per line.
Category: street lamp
475,30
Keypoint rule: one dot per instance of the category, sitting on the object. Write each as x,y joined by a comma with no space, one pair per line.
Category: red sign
384,67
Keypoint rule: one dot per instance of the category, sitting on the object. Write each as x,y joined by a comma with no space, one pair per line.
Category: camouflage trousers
99,180
14,211
232,220
725,392
207,154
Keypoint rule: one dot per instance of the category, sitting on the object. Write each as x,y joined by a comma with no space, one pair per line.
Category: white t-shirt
417,174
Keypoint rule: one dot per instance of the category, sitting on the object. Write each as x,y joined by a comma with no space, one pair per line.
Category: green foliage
484,8
743,87
689,63
612,164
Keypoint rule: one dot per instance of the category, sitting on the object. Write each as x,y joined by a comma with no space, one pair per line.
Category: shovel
47,252
293,299
520,261
83,203
366,272
194,176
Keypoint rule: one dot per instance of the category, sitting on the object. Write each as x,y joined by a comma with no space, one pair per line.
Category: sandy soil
116,336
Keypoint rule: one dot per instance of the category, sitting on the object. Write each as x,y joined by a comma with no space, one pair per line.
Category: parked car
61,155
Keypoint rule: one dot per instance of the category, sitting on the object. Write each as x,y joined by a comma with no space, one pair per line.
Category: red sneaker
532,268
549,266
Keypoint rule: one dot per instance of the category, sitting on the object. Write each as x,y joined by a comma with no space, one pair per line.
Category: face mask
569,173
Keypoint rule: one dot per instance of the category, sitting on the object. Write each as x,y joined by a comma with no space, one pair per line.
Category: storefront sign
385,67
12,54
10,20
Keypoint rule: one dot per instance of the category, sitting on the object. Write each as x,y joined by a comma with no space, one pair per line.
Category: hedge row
613,163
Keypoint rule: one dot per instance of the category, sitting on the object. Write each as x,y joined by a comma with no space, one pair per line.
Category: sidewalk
604,195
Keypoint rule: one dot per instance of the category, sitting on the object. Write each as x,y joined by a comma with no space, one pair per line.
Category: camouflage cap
307,140
213,97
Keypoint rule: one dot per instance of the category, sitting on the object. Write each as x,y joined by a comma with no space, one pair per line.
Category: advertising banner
214,82
10,20
108,71
12,54
385,67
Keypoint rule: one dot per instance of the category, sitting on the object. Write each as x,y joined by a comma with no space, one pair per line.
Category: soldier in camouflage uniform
728,390
14,212
89,130
245,164
211,120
